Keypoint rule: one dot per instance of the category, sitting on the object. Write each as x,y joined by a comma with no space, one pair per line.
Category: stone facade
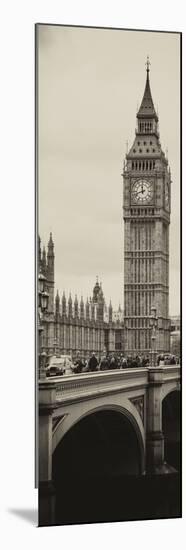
146,213
73,325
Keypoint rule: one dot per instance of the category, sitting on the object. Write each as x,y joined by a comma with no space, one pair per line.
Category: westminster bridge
102,425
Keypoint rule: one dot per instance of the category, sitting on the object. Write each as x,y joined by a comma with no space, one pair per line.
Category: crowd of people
107,362
115,361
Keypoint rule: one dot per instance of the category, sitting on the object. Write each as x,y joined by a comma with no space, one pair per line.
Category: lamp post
125,335
42,307
153,324
55,346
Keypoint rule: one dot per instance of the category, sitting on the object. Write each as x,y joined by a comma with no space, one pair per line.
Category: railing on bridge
71,387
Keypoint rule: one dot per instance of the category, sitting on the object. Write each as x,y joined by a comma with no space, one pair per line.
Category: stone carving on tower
146,213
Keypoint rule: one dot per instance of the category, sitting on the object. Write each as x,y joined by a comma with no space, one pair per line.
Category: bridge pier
46,488
155,463
154,436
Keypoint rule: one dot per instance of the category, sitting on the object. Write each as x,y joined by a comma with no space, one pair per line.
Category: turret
64,305
76,308
57,304
110,312
92,311
50,273
70,306
50,259
87,310
81,308
44,265
101,302
101,297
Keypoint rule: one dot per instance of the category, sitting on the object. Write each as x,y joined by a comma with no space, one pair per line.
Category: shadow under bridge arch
95,462
171,424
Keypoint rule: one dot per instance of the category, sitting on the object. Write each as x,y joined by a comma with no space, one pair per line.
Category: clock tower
146,213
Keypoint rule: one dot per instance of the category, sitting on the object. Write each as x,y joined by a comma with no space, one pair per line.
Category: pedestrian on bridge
104,365
113,363
78,364
124,363
93,363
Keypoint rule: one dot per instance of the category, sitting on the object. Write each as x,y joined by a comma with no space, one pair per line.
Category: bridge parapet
171,372
100,384
69,389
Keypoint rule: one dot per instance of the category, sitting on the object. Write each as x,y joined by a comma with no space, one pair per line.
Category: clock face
142,192
166,196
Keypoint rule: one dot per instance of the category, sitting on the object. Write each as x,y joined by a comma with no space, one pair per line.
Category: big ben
146,213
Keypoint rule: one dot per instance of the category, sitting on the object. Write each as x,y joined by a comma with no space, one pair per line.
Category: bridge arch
98,454
119,405
170,387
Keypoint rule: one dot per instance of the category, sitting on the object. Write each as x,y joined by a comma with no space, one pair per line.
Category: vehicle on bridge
60,365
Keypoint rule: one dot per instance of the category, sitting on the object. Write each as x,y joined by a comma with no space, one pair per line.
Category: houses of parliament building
69,325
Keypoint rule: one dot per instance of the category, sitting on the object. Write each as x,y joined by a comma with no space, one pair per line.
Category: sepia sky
91,82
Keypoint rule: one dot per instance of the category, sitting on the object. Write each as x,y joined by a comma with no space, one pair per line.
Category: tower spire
148,65
147,108
50,272
57,301
44,265
63,304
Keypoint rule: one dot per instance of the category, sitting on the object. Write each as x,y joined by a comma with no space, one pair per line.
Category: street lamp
153,324
42,307
44,301
41,282
125,334
56,346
